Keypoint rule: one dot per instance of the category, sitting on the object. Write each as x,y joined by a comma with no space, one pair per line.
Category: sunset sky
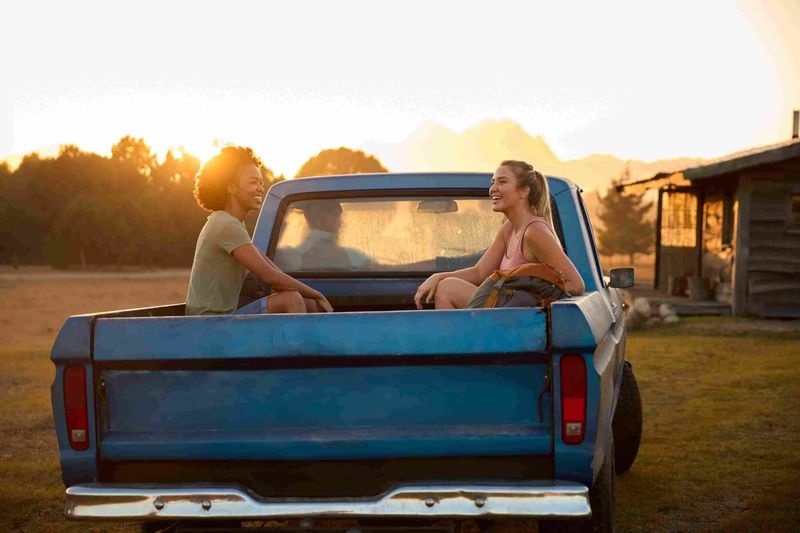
643,80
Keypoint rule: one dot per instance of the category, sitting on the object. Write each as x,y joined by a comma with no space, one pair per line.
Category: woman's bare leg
453,293
286,302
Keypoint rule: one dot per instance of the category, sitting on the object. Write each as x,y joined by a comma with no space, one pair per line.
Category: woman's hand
427,290
322,303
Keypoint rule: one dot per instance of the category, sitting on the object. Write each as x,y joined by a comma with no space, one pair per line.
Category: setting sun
595,80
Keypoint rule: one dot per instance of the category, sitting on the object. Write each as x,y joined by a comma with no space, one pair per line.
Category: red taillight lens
75,407
573,398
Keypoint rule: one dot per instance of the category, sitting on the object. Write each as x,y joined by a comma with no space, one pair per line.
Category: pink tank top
517,258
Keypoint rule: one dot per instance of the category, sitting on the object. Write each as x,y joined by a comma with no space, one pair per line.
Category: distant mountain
436,148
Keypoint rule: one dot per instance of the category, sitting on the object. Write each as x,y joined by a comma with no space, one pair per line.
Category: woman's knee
446,289
453,293
447,285
286,302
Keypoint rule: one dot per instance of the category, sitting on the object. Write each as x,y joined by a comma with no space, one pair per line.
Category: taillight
75,407
573,398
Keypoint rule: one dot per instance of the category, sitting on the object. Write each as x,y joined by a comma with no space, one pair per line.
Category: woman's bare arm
253,260
488,263
541,243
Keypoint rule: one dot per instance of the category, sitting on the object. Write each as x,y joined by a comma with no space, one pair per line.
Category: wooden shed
729,230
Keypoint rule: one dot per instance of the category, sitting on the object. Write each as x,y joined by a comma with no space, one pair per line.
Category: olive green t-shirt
217,277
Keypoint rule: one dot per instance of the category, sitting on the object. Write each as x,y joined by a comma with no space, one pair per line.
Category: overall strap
499,277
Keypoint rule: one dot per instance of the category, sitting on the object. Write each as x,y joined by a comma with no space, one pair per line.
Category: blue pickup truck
376,415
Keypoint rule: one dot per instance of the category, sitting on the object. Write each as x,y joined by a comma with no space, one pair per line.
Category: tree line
82,209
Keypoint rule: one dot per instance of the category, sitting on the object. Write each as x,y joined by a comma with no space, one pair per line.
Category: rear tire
627,423
603,495
602,498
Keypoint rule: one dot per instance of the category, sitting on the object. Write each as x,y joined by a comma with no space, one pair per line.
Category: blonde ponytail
539,197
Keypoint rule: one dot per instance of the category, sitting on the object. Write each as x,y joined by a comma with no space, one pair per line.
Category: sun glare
305,102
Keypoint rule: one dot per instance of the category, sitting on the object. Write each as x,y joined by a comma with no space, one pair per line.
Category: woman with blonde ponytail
519,192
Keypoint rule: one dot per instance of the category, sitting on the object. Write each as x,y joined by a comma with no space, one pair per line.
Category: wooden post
658,236
741,251
699,223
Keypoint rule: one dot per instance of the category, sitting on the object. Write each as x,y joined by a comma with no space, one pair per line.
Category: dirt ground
719,451
35,301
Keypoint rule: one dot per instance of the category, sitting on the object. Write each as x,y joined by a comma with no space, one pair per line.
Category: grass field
719,452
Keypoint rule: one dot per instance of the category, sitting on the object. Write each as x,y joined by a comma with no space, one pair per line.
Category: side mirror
621,278
437,206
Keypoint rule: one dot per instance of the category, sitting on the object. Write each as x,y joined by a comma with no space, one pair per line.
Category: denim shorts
255,307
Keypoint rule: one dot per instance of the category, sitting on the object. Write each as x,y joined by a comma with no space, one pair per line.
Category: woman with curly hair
229,185
519,192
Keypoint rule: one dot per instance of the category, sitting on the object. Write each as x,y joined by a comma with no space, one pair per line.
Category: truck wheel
627,423
602,498
603,495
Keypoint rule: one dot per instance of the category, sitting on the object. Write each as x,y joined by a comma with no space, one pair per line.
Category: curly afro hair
211,183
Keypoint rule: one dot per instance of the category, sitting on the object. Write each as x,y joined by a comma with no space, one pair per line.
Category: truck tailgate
336,386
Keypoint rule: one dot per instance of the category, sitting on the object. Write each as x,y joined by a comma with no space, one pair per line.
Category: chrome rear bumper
102,501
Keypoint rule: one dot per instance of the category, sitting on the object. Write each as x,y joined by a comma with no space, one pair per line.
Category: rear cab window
411,235
405,236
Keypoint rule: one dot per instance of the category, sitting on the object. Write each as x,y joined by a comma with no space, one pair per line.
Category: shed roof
730,163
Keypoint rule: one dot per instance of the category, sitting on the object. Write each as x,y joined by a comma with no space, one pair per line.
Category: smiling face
504,192
248,191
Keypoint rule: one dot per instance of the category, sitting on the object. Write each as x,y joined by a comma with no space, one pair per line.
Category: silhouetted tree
175,170
135,152
83,209
8,244
625,229
87,232
340,161
69,150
